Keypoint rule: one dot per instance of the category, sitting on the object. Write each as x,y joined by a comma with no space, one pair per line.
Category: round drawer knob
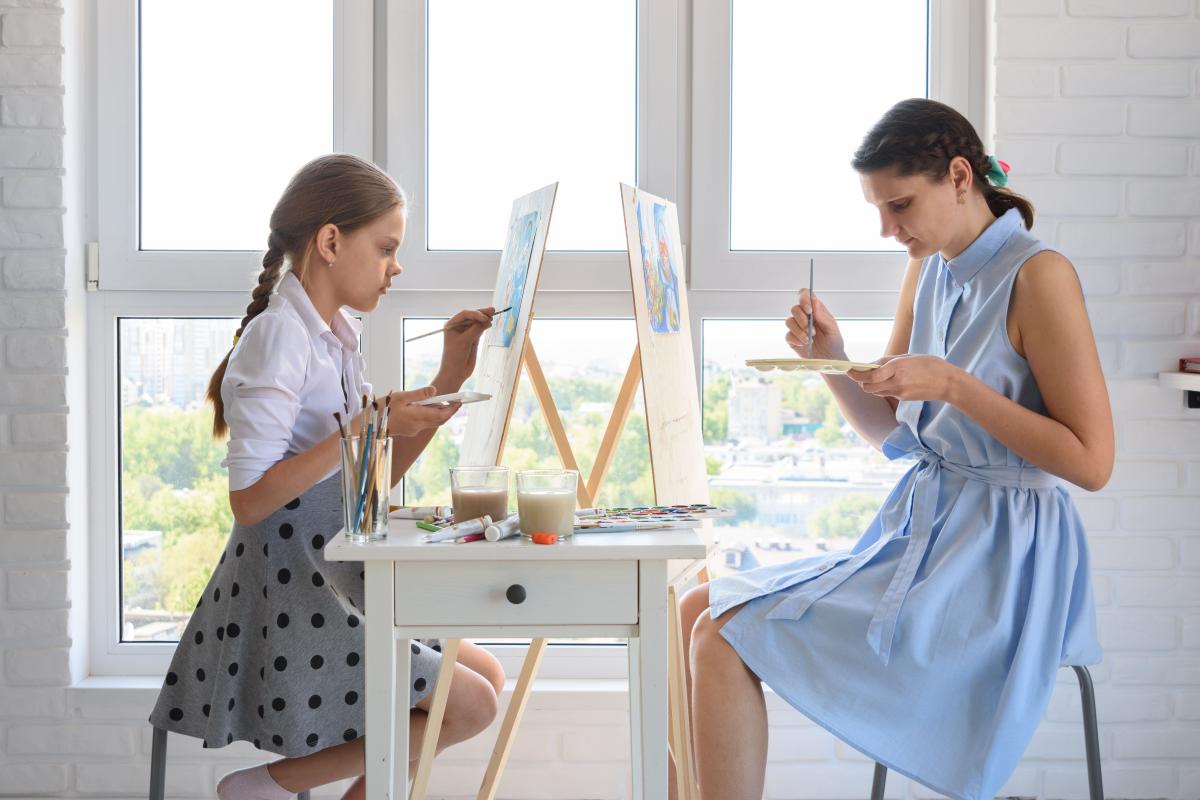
515,594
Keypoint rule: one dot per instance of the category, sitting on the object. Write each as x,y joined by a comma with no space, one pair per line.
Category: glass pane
808,81
522,94
175,516
236,95
779,452
584,361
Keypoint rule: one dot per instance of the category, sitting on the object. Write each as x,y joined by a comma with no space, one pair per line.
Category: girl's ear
327,242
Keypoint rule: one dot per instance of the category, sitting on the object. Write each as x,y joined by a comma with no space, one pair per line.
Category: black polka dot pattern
308,616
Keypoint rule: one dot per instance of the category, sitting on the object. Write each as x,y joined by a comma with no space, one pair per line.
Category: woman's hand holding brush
827,336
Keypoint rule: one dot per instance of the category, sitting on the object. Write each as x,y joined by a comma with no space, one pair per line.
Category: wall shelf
1189,382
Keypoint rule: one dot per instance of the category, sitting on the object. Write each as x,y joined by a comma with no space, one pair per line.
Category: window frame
956,68
124,266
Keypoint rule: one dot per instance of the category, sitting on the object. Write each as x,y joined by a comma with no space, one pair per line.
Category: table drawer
484,593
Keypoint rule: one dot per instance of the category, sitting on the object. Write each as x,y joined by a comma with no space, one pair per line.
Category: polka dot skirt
273,653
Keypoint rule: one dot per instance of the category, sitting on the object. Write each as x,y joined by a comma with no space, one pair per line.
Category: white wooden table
598,585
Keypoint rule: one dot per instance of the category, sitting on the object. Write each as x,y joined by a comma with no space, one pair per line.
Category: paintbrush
458,326
811,308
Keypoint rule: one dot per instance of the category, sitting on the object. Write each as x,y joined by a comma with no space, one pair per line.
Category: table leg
635,718
653,636
433,725
379,677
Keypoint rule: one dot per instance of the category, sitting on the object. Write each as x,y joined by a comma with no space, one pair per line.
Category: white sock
254,783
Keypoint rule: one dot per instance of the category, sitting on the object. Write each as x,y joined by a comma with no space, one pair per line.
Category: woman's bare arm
1074,439
874,417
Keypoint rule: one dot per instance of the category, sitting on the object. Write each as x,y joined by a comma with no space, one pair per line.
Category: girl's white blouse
287,374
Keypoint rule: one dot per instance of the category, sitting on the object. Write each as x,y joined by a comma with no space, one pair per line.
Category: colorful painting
659,267
514,272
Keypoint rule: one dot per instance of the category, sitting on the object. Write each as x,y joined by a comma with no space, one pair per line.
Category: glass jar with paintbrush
367,474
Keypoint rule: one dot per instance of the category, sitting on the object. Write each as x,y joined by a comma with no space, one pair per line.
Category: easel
674,485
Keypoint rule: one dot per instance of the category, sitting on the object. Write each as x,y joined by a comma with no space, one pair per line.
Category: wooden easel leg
512,720
433,725
616,424
558,432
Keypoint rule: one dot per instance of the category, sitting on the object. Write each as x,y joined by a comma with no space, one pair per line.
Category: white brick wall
1097,111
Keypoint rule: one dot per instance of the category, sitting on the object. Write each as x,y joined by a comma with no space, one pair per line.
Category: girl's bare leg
729,721
470,708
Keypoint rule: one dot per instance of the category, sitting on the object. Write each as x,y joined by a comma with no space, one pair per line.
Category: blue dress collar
966,265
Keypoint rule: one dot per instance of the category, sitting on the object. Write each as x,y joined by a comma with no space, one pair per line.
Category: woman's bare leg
729,722
691,605
470,708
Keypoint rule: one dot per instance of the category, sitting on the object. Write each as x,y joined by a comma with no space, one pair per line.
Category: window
191,161
780,453
492,101
219,144
784,96
174,502
653,92
521,123
791,184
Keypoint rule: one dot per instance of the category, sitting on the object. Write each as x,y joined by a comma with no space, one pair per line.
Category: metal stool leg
302,795
1091,734
158,764
880,781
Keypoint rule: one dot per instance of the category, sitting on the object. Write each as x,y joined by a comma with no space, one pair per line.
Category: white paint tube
503,529
460,530
420,512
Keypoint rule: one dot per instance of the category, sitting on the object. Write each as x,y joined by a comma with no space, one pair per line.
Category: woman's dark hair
337,189
921,137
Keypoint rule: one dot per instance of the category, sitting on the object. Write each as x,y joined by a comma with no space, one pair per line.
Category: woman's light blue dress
932,645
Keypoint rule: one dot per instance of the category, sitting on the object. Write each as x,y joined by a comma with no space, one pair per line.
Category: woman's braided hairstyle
921,137
337,189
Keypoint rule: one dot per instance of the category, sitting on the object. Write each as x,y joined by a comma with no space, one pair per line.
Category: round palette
827,365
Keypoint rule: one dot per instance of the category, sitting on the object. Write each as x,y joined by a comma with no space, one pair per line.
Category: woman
932,645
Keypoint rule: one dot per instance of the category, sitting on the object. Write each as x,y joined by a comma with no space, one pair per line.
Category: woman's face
367,260
917,212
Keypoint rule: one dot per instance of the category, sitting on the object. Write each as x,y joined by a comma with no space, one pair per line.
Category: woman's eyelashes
900,205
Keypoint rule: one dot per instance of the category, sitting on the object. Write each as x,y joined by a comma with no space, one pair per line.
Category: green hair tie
998,174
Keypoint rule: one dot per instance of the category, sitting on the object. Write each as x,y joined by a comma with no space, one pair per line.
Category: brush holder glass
366,484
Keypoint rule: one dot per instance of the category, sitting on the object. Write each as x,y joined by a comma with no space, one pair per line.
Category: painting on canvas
513,277
659,267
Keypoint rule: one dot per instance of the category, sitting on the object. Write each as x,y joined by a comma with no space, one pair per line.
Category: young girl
273,652
932,645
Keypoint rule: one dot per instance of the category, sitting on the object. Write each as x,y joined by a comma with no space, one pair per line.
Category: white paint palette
825,365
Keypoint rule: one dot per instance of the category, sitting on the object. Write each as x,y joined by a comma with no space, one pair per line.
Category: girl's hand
911,377
460,346
406,419
828,337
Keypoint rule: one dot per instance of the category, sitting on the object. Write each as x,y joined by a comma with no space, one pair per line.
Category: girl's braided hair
338,189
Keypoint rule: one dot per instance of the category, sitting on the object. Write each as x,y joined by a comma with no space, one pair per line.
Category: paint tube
503,529
460,530
420,512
